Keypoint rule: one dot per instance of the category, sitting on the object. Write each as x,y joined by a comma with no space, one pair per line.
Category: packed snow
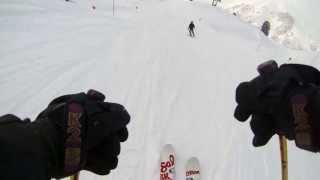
178,90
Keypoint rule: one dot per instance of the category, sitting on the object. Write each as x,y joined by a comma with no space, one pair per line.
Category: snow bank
293,23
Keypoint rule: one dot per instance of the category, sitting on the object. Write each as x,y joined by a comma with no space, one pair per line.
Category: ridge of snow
284,27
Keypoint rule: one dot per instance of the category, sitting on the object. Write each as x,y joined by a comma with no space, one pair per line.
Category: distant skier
191,29
265,28
282,100
75,132
215,2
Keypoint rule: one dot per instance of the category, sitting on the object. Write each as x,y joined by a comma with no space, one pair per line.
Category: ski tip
167,146
192,169
193,160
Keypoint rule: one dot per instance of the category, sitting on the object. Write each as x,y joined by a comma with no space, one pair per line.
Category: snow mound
284,28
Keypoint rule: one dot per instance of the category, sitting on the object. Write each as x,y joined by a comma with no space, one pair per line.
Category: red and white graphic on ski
192,169
167,163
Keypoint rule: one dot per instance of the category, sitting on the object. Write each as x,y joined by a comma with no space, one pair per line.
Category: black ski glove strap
305,136
73,142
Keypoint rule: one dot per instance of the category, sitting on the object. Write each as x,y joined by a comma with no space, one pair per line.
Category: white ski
192,169
167,163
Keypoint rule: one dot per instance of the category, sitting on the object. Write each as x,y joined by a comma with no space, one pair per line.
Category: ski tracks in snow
180,84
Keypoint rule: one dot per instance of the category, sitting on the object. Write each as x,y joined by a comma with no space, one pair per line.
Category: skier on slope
191,29
75,132
282,100
215,2
265,28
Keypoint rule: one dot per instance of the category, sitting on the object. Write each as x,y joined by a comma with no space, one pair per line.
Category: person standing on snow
215,2
265,28
282,100
191,29
75,132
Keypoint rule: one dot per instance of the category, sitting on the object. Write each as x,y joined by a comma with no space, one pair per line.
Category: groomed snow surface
178,90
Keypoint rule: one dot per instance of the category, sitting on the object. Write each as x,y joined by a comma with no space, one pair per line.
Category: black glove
89,130
282,101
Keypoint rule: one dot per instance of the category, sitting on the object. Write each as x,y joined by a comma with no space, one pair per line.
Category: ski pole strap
73,140
284,157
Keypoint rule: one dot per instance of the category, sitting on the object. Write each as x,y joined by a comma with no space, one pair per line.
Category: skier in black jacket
282,100
75,132
265,28
191,29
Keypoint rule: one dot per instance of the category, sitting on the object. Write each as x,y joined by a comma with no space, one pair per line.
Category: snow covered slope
178,90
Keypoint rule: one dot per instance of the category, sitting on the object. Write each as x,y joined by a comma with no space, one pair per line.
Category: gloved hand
282,101
90,131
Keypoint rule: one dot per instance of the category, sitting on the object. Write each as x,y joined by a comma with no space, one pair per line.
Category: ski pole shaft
284,157
75,177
